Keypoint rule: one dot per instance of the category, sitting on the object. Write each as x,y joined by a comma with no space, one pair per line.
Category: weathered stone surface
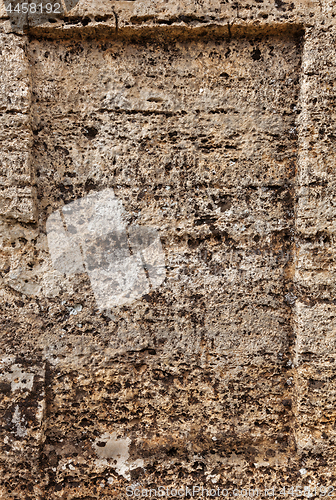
17,198
22,412
315,307
212,125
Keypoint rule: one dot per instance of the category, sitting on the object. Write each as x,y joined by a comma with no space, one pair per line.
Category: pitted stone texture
123,15
315,267
195,383
199,141
17,198
22,411
118,17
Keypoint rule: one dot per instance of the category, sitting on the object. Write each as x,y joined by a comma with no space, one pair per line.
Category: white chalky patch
116,450
19,422
19,379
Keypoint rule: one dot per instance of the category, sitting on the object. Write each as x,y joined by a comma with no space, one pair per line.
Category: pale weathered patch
114,452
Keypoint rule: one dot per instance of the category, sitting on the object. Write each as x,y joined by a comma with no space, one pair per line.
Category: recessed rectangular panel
198,141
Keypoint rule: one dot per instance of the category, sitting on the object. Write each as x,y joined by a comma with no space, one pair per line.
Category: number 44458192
33,8
308,491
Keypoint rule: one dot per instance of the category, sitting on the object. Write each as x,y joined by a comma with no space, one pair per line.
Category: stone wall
211,124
